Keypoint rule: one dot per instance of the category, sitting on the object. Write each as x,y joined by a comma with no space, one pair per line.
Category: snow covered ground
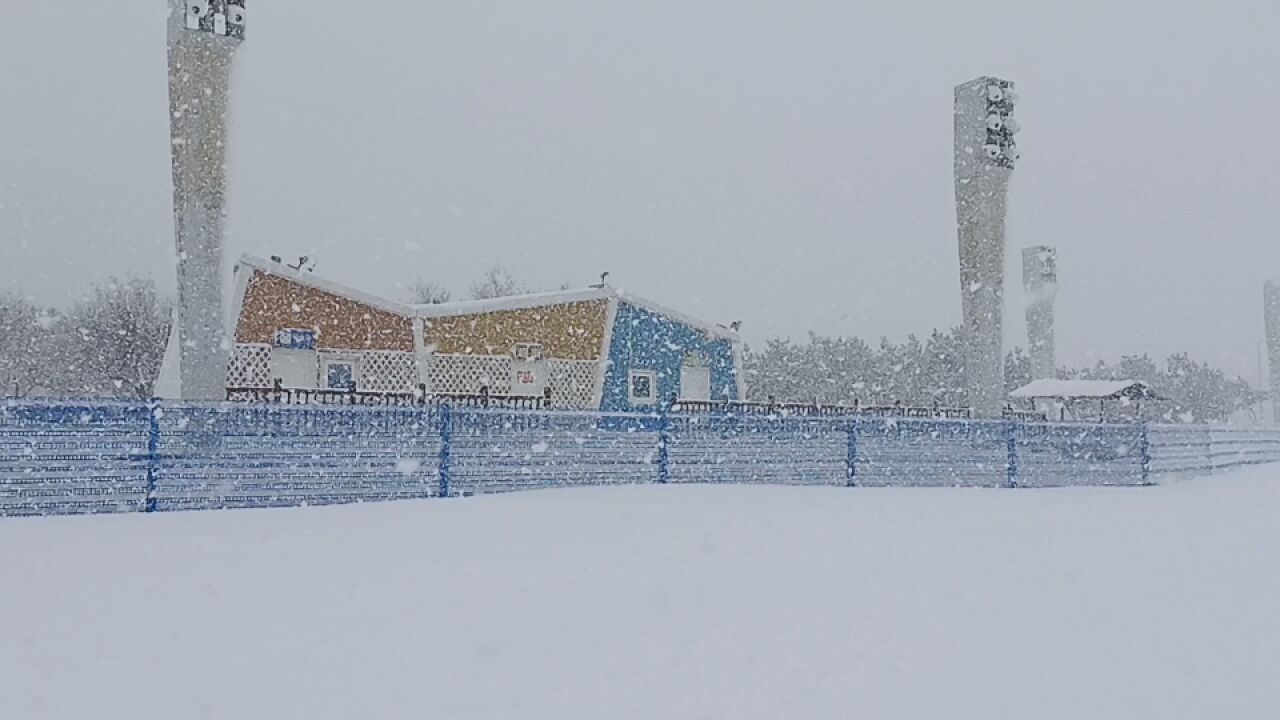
648,602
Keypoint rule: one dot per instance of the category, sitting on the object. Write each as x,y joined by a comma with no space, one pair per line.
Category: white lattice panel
250,366
387,372
573,384
466,374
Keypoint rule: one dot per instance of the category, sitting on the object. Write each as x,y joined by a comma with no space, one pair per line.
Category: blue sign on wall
295,339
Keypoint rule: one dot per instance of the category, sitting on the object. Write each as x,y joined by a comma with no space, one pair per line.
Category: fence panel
229,456
69,457
1191,450
1053,454
738,449
499,451
932,453
1234,447
1180,450
64,459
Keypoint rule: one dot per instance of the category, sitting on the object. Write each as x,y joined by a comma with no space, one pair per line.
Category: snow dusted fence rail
68,458
1183,450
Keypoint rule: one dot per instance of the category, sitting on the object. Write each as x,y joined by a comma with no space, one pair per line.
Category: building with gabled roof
1086,399
592,348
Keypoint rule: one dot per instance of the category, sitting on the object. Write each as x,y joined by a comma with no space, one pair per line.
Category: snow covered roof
1051,388
512,302
474,307
312,280
563,297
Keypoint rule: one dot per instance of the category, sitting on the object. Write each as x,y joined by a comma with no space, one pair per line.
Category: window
643,387
531,352
340,375
295,339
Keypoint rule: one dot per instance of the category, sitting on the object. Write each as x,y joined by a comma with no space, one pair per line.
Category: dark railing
417,398
1025,415
818,410
483,399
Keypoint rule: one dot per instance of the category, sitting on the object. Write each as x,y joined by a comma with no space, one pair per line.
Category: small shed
1086,400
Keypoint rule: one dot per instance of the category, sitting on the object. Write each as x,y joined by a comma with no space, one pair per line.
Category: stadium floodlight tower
1271,315
984,158
203,37
1040,283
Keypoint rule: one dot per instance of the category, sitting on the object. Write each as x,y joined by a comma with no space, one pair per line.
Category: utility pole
984,157
202,39
1040,287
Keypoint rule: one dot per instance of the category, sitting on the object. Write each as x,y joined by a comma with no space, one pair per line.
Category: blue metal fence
68,458
74,458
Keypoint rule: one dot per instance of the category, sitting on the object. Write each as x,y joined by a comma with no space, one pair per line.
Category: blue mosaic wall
643,340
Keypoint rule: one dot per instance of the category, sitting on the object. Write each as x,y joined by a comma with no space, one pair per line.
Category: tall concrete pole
1271,315
1040,284
203,37
984,158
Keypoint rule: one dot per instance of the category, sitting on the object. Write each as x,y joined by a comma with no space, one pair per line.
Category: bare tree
114,340
425,292
496,283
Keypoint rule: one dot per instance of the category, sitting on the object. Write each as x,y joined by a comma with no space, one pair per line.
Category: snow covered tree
1205,393
1017,369
113,341
845,371
771,374
943,368
24,346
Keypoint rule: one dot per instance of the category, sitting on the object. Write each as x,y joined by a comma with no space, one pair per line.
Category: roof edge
563,297
1063,389
719,331
476,307
511,302
311,280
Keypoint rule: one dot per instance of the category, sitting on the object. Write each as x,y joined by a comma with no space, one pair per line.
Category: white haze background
783,163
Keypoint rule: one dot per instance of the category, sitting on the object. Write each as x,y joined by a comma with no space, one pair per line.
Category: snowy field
659,602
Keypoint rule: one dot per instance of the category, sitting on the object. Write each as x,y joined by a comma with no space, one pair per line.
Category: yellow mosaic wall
272,302
574,331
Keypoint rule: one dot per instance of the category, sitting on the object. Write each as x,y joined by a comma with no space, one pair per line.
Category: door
294,368
695,383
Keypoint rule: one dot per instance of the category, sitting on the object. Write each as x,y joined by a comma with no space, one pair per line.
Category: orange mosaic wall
574,331
272,302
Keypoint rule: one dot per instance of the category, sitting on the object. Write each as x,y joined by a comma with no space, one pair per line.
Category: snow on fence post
1011,442
664,442
446,440
851,470
153,454
1145,443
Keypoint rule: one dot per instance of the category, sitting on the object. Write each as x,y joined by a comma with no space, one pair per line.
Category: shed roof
1066,389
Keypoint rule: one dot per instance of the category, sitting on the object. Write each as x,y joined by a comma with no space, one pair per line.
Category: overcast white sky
785,163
